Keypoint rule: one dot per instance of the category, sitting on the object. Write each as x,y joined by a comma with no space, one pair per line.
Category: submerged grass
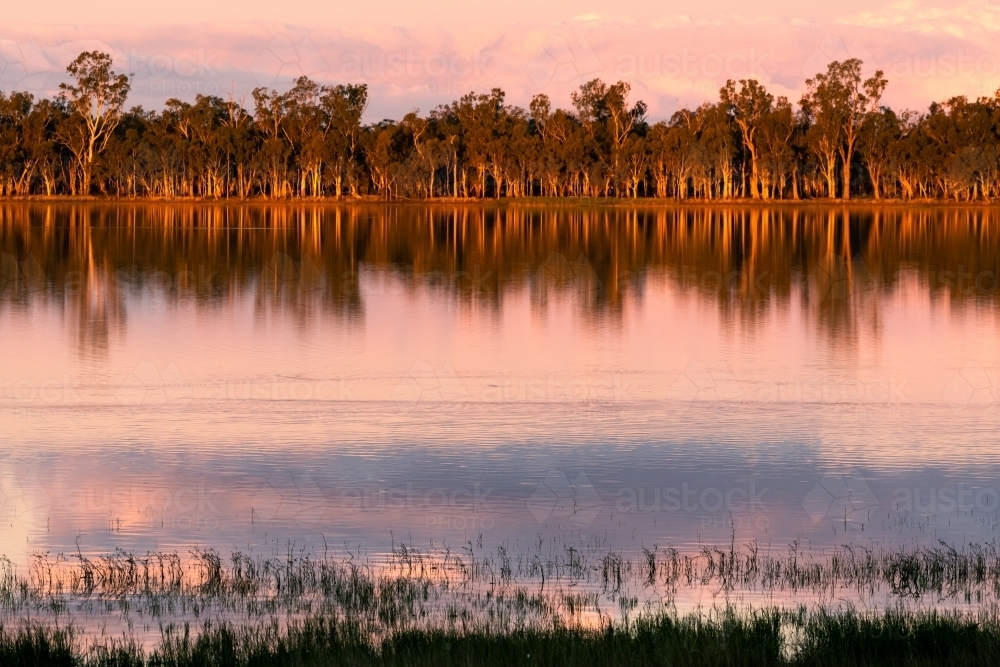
945,569
546,582
550,605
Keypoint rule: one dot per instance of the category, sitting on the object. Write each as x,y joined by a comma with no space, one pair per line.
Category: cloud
965,19
928,53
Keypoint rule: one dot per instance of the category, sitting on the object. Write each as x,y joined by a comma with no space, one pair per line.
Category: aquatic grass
563,604
408,585
756,638
723,640
898,638
37,645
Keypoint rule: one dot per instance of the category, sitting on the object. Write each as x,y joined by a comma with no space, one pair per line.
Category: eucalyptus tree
635,163
659,159
681,146
824,136
564,152
345,105
311,141
837,102
524,162
481,118
208,117
749,106
421,134
880,131
720,139
547,166
239,140
197,129
450,132
17,162
609,119
777,153
305,128
165,162
40,148
271,111
963,136
204,120
384,153
510,124
96,99
122,167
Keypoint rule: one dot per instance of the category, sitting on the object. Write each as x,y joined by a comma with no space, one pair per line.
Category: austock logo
19,277
199,65
559,497
24,503
843,498
590,389
833,48
23,65
150,386
290,500
837,279
290,278
427,387
557,272
288,57
701,385
946,500
974,386
563,59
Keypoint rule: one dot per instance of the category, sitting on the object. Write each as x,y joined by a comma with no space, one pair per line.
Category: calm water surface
253,376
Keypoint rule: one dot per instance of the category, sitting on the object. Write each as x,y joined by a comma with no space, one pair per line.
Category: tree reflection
835,264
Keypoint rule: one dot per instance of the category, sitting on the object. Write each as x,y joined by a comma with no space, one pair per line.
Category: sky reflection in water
249,376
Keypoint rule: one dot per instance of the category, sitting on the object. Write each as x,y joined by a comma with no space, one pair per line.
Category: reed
560,604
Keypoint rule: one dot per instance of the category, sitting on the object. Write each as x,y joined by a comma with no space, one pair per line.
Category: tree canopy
839,141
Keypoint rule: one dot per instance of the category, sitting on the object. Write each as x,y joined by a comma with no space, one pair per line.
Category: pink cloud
928,54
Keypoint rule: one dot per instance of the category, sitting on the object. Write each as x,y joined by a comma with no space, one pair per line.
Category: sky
416,55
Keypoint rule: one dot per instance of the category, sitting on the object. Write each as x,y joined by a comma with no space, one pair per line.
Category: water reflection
245,375
834,264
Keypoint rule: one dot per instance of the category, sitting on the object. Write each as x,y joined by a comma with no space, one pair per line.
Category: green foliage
310,141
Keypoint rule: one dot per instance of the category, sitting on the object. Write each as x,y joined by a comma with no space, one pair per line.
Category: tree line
838,142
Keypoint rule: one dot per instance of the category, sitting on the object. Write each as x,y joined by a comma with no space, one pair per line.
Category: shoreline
553,202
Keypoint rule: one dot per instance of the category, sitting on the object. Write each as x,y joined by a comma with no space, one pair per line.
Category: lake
255,376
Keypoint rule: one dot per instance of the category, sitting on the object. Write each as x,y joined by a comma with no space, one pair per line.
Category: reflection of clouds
557,496
427,387
419,489
149,386
25,506
290,501
701,385
974,386
846,498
